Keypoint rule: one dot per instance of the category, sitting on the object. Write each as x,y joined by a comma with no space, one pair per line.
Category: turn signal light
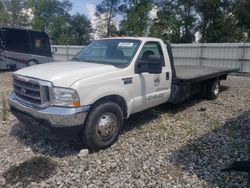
76,103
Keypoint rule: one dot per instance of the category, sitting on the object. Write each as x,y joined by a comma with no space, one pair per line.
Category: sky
86,7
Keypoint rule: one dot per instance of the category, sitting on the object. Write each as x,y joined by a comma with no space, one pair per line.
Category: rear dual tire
213,90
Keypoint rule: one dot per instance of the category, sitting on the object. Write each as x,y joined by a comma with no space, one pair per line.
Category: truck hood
64,74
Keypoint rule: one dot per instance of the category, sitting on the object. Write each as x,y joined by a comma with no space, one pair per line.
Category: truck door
153,89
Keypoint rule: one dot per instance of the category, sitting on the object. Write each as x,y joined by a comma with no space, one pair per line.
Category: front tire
103,126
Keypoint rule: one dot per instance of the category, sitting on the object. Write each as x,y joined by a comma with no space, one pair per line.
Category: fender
90,95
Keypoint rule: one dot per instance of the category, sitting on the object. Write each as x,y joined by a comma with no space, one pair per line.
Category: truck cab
142,75
104,84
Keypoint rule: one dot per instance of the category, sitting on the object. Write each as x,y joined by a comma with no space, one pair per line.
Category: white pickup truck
104,84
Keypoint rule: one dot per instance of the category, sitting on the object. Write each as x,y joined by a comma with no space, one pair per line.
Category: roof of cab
133,38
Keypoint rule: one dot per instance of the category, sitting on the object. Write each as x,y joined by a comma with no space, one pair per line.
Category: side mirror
153,65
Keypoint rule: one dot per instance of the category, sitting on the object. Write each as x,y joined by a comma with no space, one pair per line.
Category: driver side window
150,48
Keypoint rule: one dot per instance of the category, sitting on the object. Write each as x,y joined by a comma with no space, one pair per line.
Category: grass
214,123
178,117
224,179
206,115
169,132
189,129
162,127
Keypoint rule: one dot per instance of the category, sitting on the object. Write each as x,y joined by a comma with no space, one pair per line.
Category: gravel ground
182,145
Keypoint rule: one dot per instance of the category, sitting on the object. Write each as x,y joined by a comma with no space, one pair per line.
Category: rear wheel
103,126
213,90
32,62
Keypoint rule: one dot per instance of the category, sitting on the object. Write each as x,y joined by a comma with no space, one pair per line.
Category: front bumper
51,117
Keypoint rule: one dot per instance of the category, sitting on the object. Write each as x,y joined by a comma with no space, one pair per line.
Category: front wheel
103,126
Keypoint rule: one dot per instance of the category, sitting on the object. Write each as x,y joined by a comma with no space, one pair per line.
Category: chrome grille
32,91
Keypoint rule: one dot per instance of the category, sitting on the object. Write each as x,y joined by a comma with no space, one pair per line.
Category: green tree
214,20
176,21
188,20
106,11
101,27
166,25
14,13
2,14
59,30
79,30
217,21
136,17
113,30
48,11
52,16
242,12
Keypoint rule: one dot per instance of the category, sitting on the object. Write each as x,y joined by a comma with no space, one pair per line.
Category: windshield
109,51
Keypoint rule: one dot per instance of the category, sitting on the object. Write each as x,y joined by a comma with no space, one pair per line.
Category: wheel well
117,99
33,60
223,77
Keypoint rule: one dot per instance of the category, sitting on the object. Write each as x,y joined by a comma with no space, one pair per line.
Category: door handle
167,75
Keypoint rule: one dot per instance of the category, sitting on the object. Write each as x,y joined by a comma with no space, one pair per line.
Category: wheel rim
106,126
217,89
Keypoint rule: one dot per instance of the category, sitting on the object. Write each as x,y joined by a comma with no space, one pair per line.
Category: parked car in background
22,47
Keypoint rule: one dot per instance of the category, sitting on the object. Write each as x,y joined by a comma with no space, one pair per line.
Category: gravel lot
182,145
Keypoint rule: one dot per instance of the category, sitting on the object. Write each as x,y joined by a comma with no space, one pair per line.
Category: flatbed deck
194,73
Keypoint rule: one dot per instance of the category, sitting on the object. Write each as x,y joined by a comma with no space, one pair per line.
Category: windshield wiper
75,59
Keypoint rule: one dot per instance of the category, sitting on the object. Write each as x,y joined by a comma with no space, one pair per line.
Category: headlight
66,97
